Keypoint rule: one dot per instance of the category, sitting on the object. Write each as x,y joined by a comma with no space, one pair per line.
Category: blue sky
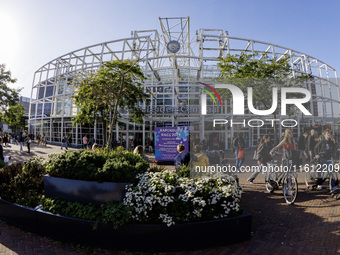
34,32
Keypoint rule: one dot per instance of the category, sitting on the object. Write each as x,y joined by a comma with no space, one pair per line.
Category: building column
144,134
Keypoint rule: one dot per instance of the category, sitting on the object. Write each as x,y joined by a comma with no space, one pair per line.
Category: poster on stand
166,141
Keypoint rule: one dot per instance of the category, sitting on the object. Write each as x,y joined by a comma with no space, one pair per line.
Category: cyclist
287,143
289,148
324,151
263,156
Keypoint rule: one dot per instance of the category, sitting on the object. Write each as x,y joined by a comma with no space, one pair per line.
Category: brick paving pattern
310,226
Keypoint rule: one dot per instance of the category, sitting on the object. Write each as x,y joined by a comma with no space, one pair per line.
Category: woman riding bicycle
288,144
289,159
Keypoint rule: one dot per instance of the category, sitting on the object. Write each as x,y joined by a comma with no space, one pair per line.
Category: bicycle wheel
270,188
290,188
270,182
333,180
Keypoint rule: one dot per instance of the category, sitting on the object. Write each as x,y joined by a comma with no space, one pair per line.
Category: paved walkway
310,226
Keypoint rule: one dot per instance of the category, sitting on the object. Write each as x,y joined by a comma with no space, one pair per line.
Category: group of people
41,140
19,139
310,149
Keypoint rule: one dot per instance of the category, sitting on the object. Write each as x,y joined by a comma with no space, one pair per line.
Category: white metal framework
173,79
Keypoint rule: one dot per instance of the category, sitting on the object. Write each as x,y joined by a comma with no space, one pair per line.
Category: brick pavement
310,226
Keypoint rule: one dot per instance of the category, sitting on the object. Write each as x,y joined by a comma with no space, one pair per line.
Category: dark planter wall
18,215
137,237
83,191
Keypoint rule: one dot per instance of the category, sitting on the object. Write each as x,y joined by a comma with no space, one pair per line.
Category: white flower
155,192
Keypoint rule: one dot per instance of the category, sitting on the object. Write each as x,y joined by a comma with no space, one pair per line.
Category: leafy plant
8,96
115,213
103,95
100,166
2,163
23,184
183,171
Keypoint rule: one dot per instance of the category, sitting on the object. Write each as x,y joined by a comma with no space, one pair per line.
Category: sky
34,32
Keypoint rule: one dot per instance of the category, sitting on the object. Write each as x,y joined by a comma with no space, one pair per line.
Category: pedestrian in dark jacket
311,142
263,156
324,152
21,142
1,150
239,146
183,158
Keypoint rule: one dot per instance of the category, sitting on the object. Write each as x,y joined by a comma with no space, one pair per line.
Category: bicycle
275,175
318,173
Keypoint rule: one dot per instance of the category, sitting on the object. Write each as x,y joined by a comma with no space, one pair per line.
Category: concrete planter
149,237
83,191
134,237
18,215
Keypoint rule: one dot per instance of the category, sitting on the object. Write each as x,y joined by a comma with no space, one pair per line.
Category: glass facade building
175,62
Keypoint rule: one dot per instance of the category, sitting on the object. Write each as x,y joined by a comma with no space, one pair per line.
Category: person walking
183,158
324,152
239,145
21,142
67,140
85,140
43,140
62,143
28,143
311,142
5,139
1,151
263,156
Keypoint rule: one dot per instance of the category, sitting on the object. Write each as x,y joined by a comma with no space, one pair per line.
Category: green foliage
15,115
115,213
23,184
262,74
8,96
251,66
155,169
183,171
119,149
115,88
2,163
250,71
97,166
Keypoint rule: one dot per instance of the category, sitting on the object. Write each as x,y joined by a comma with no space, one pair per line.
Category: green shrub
23,184
2,163
117,166
183,171
115,213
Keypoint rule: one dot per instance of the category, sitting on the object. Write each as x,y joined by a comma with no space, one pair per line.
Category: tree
262,74
8,96
116,88
14,116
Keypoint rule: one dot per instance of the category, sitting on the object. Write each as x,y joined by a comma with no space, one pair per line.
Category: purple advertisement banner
166,141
